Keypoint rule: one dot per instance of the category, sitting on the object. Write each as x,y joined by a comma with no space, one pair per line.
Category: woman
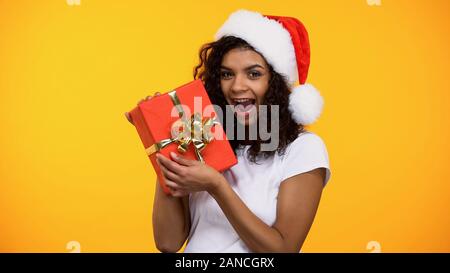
267,202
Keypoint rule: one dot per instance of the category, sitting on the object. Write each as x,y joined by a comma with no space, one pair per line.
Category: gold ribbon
186,131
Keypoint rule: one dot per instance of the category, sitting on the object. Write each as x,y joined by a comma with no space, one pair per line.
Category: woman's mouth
244,106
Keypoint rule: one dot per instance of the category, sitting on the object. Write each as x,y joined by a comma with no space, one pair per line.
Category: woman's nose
239,84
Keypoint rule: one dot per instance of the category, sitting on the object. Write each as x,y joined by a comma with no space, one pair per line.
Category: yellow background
73,169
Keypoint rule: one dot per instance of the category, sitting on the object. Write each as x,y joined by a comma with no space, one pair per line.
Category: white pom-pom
305,104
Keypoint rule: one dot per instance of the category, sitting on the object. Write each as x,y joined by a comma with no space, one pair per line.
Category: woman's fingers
169,164
175,189
144,99
182,160
127,115
172,185
148,97
179,193
168,174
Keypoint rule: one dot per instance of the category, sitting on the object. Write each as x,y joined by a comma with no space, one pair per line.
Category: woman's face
244,79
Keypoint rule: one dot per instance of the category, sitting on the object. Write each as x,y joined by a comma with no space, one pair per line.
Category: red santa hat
284,43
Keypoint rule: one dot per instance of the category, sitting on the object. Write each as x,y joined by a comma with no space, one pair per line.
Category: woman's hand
127,115
184,176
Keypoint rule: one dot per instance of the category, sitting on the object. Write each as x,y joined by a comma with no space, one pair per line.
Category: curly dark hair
208,70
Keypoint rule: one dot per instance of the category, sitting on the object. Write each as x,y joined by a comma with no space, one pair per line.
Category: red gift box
170,123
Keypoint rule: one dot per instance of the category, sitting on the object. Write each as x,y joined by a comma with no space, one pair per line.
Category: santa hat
284,43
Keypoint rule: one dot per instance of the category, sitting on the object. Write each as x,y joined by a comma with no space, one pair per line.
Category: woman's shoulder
307,139
306,144
307,152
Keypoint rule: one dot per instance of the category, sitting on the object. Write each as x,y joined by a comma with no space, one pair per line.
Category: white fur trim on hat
305,104
267,36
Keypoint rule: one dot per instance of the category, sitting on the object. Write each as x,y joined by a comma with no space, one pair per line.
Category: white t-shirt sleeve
306,153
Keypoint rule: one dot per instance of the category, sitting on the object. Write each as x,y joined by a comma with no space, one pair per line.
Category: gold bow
186,131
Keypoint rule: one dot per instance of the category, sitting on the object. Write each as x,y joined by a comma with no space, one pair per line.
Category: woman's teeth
243,105
243,101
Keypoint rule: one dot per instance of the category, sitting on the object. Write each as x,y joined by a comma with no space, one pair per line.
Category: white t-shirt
257,185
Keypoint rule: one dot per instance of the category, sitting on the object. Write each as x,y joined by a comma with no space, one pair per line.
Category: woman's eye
254,74
225,75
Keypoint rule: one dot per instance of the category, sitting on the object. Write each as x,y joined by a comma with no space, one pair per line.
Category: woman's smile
244,82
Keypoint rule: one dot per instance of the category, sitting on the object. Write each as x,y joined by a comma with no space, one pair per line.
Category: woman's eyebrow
247,68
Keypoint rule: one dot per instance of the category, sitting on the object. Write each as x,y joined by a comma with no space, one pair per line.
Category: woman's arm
171,220
171,216
298,200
